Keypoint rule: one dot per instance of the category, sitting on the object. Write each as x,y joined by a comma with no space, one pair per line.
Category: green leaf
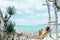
11,10
10,27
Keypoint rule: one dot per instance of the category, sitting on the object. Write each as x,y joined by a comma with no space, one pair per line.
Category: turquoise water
34,28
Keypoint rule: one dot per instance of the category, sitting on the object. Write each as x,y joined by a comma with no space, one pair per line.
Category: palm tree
10,28
11,11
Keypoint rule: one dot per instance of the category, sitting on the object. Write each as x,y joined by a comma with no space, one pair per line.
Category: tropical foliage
10,11
10,27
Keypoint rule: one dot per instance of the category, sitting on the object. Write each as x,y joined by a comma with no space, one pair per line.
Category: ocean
35,28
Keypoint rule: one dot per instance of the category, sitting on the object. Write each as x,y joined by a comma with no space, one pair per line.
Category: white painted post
56,18
48,6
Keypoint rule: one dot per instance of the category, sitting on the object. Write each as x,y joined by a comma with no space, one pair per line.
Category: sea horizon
34,28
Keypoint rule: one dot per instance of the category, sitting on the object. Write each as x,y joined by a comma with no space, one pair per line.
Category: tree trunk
9,18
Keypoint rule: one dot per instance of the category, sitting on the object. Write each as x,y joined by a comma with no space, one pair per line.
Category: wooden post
56,18
48,6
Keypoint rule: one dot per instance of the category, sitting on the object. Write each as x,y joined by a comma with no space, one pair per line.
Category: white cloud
24,8
29,22
32,20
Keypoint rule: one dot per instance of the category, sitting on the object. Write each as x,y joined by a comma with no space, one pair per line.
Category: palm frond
10,27
11,10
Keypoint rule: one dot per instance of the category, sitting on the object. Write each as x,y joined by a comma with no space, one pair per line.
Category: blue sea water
34,28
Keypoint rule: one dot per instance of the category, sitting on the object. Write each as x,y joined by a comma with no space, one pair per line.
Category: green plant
10,27
10,11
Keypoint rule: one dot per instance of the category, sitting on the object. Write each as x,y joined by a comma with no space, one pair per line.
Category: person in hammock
42,34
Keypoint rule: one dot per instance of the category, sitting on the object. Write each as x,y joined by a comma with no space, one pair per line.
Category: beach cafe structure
56,6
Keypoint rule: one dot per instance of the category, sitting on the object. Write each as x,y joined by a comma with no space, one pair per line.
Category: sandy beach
47,37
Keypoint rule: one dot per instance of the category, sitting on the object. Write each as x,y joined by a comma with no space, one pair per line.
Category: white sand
46,38
51,38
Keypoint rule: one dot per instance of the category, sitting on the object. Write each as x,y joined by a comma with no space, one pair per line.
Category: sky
28,12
